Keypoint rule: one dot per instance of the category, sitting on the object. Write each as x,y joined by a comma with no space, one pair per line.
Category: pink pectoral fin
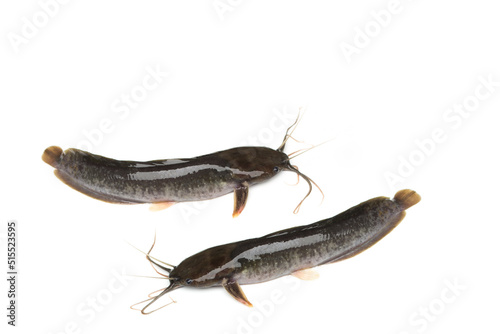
160,206
306,274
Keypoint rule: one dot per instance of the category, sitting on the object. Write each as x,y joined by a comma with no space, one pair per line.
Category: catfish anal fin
240,199
234,289
71,182
364,246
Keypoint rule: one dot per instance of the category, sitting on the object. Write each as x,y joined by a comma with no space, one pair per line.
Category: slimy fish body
293,251
165,182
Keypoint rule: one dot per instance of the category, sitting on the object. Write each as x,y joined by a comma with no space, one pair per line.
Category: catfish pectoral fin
234,289
240,199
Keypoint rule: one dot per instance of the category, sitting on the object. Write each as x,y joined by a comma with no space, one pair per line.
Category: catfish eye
189,281
276,169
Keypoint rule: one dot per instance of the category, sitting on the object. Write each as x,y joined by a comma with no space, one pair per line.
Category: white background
229,74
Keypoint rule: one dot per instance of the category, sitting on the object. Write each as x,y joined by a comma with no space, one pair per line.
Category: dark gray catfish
168,181
289,252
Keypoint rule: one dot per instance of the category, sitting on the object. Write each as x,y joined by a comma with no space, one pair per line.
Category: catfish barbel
292,251
166,182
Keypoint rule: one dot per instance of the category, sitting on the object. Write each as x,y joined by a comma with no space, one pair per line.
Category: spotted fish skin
169,180
295,249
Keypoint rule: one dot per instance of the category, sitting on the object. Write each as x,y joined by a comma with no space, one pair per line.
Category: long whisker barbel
289,135
310,182
292,251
